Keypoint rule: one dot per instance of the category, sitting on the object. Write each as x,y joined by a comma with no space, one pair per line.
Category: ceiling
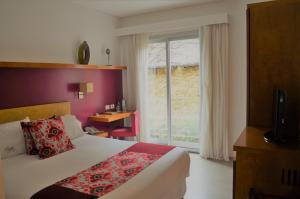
124,8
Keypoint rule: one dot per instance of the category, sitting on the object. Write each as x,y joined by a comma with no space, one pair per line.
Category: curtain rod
174,25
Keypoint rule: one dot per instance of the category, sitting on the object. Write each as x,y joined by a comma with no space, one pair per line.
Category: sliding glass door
173,80
158,94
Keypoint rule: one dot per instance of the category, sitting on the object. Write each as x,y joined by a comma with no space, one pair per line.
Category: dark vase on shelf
84,53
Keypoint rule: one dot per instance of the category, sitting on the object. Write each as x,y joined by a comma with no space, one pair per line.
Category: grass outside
185,103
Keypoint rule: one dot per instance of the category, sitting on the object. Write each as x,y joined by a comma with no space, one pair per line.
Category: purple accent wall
25,87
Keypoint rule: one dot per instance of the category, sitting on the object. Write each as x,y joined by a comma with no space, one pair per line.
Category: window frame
167,38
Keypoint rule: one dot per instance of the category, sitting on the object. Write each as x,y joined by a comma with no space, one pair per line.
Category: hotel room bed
165,179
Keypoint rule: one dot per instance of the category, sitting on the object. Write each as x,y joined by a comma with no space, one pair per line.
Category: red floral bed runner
107,175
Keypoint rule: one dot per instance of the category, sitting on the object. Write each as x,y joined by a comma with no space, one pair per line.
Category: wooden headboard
35,112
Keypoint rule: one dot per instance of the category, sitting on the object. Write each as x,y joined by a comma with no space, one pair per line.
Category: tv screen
278,133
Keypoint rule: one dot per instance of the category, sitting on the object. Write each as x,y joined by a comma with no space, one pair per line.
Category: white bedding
165,179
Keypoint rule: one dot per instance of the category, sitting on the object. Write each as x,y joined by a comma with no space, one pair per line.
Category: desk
103,134
109,118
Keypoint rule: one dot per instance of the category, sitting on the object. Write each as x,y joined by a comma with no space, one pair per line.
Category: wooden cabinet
267,168
273,60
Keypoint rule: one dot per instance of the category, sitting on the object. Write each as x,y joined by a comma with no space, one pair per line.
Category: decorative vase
84,53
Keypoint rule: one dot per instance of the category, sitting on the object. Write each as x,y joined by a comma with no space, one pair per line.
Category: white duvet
165,179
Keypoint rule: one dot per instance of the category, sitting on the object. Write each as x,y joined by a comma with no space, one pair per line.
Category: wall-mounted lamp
85,88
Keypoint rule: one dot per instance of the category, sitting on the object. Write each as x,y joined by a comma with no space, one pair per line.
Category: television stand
268,168
269,137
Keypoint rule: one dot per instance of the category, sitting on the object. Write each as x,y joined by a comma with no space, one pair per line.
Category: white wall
238,53
51,31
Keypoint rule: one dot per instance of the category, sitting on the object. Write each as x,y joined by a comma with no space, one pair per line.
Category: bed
25,175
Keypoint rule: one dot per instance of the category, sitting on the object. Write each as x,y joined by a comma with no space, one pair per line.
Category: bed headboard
35,112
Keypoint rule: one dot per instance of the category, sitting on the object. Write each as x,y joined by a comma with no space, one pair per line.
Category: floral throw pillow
29,142
49,137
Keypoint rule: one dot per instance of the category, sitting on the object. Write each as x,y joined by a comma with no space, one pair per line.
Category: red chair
133,131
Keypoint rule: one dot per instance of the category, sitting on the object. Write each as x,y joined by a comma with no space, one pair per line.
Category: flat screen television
278,132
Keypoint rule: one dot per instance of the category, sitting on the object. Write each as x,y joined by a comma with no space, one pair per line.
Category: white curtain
134,55
214,91
1,180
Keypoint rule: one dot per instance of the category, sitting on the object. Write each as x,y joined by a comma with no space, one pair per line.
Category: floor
209,179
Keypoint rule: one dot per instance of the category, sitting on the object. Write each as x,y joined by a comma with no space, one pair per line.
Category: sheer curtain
134,55
1,181
214,91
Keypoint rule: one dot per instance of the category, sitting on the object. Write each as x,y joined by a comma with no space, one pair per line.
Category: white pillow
72,126
12,141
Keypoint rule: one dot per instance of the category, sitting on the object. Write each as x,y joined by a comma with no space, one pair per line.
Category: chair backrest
135,122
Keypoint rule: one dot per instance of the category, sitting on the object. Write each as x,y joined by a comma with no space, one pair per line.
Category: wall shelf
32,65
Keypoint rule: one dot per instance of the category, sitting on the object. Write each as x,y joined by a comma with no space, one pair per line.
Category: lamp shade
86,87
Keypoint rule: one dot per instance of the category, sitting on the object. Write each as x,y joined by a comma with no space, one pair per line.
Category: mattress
25,175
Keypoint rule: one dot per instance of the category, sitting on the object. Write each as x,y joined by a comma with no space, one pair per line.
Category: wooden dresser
273,62
269,169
